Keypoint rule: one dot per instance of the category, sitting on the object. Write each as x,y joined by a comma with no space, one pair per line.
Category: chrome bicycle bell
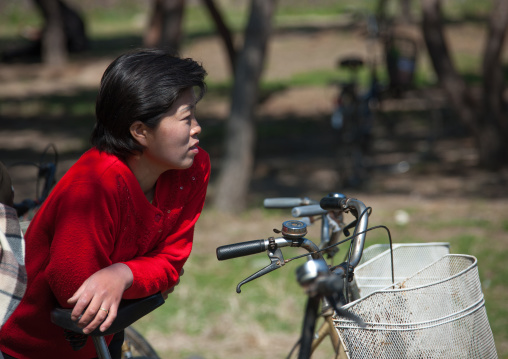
294,229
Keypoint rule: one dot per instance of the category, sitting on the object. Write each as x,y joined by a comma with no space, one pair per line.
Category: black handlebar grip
240,249
331,203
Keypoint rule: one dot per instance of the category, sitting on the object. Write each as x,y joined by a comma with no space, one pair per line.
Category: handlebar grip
331,203
305,211
240,249
283,202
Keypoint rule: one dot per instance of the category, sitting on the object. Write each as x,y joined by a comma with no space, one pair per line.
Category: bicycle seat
129,311
352,63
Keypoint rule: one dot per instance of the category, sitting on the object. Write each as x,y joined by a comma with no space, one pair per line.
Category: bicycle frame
327,329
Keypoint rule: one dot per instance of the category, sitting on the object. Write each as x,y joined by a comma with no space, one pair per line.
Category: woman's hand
98,298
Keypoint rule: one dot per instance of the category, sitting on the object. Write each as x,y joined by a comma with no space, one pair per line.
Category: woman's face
172,144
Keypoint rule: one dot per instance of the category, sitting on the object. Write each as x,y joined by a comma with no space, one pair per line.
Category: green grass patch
461,222
208,290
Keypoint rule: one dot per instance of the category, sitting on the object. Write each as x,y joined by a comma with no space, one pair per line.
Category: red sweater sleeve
83,238
160,269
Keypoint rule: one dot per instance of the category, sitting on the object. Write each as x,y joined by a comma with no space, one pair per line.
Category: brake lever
346,229
276,261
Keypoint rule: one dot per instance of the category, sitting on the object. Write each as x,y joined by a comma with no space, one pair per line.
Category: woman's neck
146,176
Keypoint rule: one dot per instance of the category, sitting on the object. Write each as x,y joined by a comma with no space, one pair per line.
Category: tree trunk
165,28
493,112
53,41
405,11
237,167
381,10
486,118
224,32
455,87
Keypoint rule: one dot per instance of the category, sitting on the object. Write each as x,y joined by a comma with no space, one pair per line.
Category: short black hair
141,85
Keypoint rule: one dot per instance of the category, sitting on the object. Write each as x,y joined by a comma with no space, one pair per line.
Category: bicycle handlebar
308,211
241,249
334,201
287,202
129,311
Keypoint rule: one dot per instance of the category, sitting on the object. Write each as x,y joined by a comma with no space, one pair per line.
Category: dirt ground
440,162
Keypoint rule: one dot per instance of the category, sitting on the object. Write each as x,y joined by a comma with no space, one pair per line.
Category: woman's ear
139,131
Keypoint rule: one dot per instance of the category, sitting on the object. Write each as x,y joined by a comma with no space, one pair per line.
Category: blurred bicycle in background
355,109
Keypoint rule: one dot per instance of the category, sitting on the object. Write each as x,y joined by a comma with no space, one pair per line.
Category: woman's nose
196,128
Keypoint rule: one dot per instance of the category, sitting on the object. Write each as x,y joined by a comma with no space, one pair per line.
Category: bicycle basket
437,313
375,272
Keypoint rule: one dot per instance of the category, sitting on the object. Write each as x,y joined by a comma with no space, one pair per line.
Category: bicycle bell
294,229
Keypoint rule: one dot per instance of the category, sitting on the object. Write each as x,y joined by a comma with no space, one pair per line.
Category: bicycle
352,118
322,283
135,345
45,180
353,115
355,112
396,321
332,225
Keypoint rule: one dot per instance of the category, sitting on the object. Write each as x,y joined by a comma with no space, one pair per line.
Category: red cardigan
98,215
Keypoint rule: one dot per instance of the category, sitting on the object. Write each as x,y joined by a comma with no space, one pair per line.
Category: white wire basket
437,313
375,271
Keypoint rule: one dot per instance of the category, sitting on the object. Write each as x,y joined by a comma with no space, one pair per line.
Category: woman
120,223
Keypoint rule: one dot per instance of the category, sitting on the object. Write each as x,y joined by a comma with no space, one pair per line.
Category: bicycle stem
337,201
359,233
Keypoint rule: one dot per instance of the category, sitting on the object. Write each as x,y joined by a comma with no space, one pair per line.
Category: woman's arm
85,231
160,268
103,290
98,298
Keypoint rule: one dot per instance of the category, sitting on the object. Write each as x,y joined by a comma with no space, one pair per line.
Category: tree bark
493,84
224,32
486,116
237,167
450,80
405,11
165,27
493,117
53,41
